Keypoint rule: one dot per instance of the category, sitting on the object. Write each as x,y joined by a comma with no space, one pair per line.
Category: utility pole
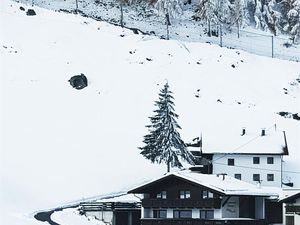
238,29
272,46
221,34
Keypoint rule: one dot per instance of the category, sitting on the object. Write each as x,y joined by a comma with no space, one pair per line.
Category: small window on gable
230,162
207,194
162,195
255,160
184,194
270,160
238,176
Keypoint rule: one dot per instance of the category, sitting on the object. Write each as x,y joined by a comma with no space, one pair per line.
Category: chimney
263,132
243,131
259,184
222,174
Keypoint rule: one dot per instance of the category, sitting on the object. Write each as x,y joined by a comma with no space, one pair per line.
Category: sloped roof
121,198
228,186
231,141
290,197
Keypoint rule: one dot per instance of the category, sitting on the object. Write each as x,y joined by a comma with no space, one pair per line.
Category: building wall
243,164
231,208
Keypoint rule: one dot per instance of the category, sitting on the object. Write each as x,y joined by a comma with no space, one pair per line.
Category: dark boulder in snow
79,81
30,12
22,8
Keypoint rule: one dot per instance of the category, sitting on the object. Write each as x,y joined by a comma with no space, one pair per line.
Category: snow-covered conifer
208,12
223,11
237,14
293,16
172,8
163,144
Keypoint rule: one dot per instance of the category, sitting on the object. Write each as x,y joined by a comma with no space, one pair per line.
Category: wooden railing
107,206
201,222
292,208
182,203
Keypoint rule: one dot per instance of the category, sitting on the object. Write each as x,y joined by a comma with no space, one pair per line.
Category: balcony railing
292,208
182,203
202,222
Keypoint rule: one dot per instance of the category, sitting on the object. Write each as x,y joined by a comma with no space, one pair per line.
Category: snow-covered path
45,217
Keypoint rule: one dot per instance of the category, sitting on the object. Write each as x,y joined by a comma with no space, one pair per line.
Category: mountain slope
60,144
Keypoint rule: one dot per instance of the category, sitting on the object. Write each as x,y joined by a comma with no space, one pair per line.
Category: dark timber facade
173,200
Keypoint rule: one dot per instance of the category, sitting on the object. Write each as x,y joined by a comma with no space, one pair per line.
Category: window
207,194
289,220
230,162
182,214
206,214
270,160
184,194
256,177
159,213
255,160
238,176
162,195
270,177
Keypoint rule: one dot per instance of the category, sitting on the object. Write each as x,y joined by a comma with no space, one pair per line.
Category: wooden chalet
190,198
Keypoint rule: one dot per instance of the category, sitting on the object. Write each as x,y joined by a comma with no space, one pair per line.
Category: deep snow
59,144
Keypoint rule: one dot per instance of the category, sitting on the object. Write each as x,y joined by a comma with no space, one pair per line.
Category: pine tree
223,11
293,16
163,144
171,8
237,14
207,11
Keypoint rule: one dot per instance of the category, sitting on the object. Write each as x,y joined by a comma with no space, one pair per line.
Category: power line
256,168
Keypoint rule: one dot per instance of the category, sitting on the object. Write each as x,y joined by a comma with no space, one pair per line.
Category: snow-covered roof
290,195
226,186
129,198
252,142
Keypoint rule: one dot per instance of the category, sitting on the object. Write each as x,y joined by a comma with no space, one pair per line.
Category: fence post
122,16
221,34
238,29
272,46
168,23
76,6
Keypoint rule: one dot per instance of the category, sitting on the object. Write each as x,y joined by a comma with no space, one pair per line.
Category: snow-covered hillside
59,144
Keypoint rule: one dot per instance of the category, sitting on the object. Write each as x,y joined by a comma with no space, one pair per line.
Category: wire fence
148,21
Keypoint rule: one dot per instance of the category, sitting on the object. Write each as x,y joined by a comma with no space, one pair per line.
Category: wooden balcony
182,203
201,222
292,208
